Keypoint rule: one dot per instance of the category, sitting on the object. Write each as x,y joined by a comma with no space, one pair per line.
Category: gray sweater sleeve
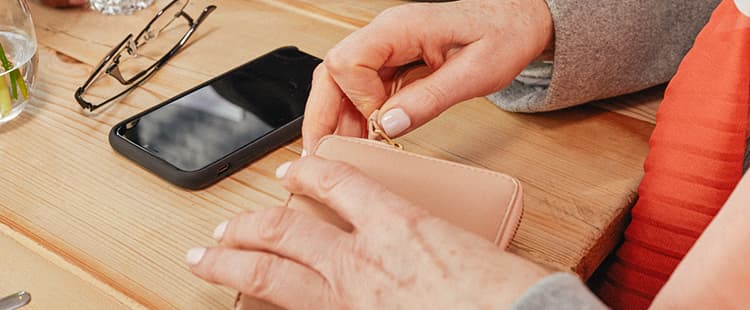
605,48
560,291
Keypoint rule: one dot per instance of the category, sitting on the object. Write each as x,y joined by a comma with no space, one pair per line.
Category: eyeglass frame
112,59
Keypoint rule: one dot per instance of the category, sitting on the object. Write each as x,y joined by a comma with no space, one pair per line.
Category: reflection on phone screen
232,111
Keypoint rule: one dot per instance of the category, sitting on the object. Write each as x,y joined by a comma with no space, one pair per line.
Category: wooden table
85,227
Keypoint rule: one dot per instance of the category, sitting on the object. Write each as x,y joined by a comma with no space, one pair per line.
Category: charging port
223,169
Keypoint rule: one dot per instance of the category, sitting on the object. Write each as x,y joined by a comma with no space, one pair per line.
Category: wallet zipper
515,229
375,132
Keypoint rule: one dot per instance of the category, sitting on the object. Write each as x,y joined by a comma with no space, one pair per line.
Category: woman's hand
475,47
398,256
64,3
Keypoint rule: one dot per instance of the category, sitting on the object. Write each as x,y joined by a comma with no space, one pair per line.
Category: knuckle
402,212
338,61
234,229
337,174
435,98
258,280
320,72
410,215
213,270
294,179
411,14
394,13
274,224
377,192
211,274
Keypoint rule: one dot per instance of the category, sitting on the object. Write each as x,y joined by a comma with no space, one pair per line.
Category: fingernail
78,2
195,255
395,122
219,230
304,153
281,170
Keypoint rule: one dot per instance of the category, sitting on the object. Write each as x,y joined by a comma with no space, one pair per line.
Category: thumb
458,79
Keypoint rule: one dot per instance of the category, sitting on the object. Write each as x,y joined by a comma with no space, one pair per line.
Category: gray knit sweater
603,48
559,291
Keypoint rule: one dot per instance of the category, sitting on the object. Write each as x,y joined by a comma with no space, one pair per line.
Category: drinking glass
119,7
18,58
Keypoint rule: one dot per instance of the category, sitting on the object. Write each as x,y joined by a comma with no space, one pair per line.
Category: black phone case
217,170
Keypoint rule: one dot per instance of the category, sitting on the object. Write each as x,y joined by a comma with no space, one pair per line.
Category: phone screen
235,109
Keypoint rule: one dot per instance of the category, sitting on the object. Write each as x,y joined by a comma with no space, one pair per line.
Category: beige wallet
486,203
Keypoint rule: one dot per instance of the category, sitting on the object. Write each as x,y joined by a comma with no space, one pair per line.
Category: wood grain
51,281
641,105
73,194
66,189
579,167
349,14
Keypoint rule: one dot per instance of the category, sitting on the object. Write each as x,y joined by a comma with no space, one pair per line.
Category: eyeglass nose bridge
114,71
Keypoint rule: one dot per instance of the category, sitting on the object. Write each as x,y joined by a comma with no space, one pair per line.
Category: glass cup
18,58
119,7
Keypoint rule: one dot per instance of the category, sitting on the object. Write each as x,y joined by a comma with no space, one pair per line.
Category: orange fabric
695,161
715,274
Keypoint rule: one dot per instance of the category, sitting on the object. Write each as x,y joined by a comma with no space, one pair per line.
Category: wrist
521,275
546,28
530,19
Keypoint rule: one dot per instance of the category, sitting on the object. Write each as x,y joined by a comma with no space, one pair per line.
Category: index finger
322,109
358,199
356,71
356,63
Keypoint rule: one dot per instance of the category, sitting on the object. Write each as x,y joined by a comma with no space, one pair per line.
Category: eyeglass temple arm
193,26
206,11
114,71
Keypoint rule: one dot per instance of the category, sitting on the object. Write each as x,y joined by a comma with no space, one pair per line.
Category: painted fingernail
304,153
78,2
219,230
281,170
395,122
195,255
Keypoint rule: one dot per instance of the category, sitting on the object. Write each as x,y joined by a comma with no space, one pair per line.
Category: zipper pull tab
375,132
404,76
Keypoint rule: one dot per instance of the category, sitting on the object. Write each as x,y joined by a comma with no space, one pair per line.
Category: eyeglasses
133,49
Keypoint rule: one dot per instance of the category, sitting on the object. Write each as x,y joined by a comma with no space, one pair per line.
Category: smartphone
206,133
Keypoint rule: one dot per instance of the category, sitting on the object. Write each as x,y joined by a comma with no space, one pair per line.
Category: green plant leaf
22,85
5,100
13,85
7,65
16,77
